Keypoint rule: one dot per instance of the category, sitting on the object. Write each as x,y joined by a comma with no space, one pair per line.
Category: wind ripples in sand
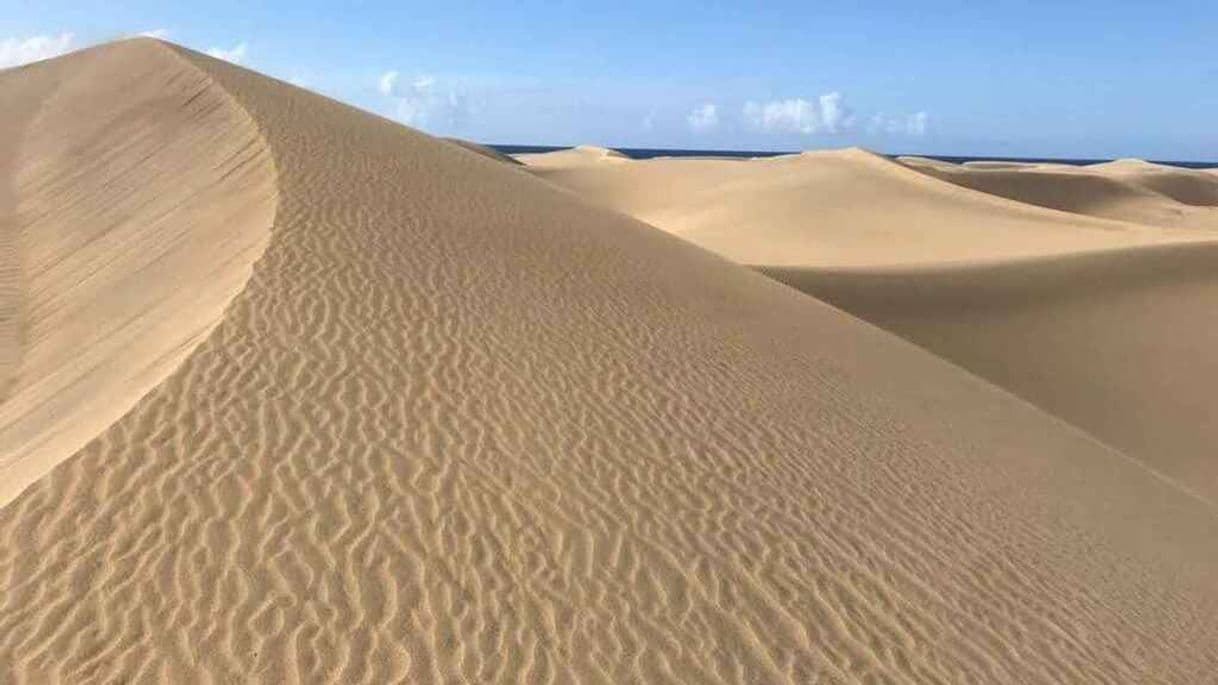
460,427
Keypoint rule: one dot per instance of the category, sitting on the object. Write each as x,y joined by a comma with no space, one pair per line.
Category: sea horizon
649,153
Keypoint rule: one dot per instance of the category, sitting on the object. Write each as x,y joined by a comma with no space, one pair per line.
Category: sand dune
138,219
1123,344
580,155
836,208
1187,186
485,151
1141,193
460,426
1106,324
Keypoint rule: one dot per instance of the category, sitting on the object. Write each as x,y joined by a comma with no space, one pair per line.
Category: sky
1067,78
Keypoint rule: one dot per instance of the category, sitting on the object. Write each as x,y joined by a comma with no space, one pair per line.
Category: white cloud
649,121
15,51
424,101
910,125
703,118
388,83
828,113
234,54
833,112
160,34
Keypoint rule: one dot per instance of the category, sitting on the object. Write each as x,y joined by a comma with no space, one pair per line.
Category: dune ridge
131,224
461,425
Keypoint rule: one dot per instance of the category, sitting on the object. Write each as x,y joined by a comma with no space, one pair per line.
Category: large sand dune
837,208
459,426
1089,291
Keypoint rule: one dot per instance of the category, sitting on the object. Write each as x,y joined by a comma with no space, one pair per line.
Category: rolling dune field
296,394
1088,291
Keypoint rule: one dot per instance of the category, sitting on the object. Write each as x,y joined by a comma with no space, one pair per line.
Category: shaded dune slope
461,426
1122,344
1187,186
1124,191
138,195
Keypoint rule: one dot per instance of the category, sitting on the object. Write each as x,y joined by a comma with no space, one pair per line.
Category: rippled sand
1089,291
354,405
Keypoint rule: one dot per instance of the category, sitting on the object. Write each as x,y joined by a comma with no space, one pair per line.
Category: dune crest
460,425
134,221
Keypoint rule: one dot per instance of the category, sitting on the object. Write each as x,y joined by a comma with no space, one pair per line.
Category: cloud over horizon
826,113
424,101
915,124
703,118
17,51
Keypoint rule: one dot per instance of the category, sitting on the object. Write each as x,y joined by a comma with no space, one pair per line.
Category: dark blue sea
647,153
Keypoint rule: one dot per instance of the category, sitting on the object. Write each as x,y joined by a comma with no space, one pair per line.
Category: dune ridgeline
295,394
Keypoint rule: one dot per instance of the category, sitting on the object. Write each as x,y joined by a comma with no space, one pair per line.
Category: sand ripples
459,427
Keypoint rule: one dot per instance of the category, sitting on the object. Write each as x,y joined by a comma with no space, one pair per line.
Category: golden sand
351,404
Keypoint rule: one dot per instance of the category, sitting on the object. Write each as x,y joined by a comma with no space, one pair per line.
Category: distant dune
1187,186
1100,312
353,405
1138,192
843,208
577,156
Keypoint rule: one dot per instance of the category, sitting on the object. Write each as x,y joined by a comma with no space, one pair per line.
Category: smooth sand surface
457,425
1089,291
132,221
1126,190
841,208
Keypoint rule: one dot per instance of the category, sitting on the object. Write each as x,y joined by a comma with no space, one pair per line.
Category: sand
132,221
843,208
485,151
458,425
1125,190
1085,290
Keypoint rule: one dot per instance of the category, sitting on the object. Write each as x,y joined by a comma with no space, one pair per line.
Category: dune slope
1044,284
137,194
1196,187
485,151
460,426
1121,343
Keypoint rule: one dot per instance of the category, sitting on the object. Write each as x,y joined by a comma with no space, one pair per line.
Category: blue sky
989,77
